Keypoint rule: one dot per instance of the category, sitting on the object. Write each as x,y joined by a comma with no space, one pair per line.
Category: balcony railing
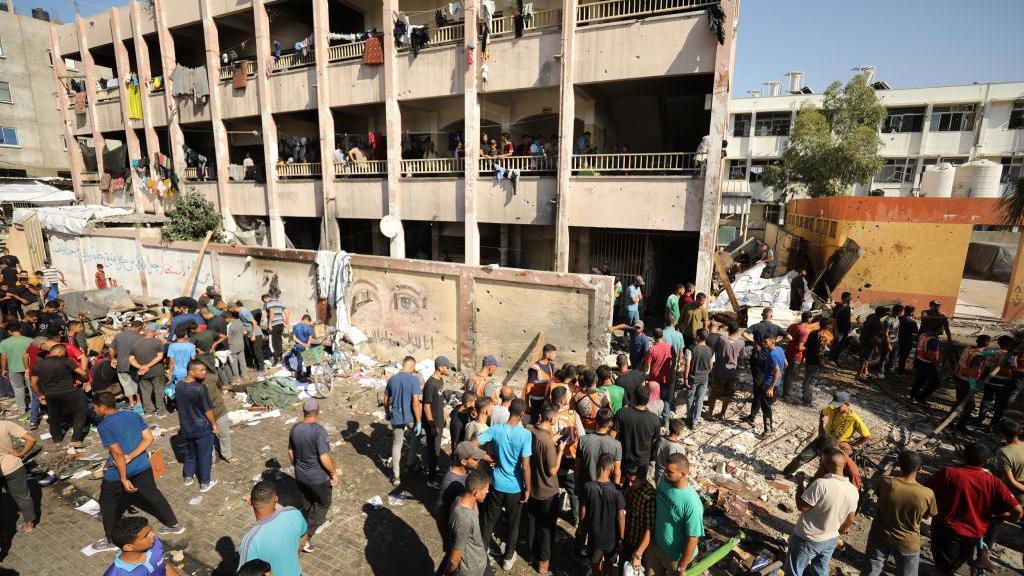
90,177
106,94
293,60
658,163
350,51
525,164
436,166
365,168
541,19
228,72
442,35
622,9
191,173
304,170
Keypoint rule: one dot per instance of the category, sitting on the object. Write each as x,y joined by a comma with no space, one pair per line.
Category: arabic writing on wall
160,264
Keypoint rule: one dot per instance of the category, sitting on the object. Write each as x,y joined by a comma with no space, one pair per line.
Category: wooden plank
724,276
533,350
34,240
187,288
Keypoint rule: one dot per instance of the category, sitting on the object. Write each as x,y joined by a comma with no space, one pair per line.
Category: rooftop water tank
985,183
937,180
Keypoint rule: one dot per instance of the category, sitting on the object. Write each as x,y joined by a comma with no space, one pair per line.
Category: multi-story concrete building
32,139
924,126
344,131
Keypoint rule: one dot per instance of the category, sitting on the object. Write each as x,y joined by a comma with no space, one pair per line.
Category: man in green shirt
672,305
678,523
614,392
695,317
12,353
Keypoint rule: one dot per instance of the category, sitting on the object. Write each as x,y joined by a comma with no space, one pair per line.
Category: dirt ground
729,462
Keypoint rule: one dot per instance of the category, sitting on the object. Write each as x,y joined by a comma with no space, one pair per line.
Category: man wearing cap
310,453
634,294
841,423
433,413
465,458
933,320
483,381
639,343
402,405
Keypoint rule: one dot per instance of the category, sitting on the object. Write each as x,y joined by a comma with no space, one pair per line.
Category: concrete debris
97,303
752,290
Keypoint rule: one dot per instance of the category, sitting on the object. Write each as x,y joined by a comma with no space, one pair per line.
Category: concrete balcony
950,143
108,115
664,202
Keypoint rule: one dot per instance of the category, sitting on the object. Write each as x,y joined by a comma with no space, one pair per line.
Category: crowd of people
600,447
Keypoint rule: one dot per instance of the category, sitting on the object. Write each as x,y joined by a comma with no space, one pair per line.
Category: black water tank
40,14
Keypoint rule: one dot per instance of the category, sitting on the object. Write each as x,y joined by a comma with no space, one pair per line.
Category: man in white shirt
828,508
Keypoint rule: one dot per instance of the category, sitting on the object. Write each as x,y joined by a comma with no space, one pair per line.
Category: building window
3,54
956,118
5,93
9,137
899,120
757,169
741,125
954,160
70,64
897,170
64,143
772,124
1017,116
773,214
737,169
1013,169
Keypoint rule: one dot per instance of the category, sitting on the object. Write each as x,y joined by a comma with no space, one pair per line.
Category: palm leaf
1011,204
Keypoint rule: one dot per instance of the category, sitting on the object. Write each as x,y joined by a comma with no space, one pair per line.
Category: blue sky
910,42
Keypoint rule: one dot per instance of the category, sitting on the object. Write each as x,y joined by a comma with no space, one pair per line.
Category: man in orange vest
926,366
589,400
999,383
968,372
569,426
538,377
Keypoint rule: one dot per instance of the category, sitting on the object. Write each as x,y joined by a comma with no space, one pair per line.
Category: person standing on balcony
507,148
249,166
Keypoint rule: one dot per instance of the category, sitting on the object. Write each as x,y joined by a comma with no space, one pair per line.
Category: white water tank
977,179
985,183
937,180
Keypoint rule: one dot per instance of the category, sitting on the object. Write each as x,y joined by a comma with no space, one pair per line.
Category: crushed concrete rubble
752,290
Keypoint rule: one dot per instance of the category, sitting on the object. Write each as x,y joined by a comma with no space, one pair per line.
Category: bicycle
327,361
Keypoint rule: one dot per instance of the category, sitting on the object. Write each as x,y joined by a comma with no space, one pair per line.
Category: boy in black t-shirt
603,516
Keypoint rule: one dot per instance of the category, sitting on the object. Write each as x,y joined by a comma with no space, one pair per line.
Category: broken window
901,120
757,169
955,118
897,171
1013,169
1017,116
737,169
954,160
741,125
772,123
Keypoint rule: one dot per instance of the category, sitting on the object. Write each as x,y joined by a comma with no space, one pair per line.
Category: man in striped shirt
52,278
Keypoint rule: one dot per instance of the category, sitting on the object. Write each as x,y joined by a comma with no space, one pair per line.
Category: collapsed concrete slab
97,303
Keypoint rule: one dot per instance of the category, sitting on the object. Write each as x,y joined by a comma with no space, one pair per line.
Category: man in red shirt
659,365
969,498
101,277
798,334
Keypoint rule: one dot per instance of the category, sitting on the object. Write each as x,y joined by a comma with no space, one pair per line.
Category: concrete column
503,241
61,78
566,121
89,67
264,61
168,62
123,66
925,129
393,129
1013,306
711,204
331,239
471,135
211,41
145,74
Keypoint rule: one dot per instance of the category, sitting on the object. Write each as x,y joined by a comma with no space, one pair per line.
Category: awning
35,193
67,219
735,205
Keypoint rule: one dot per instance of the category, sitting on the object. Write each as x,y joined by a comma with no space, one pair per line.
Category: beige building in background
32,139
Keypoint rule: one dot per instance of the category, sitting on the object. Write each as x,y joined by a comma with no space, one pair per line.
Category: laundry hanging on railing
454,10
373,52
420,37
134,101
439,18
240,76
716,21
190,82
277,50
402,29
80,103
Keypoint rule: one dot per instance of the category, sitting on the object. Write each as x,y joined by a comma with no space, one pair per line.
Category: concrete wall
33,111
404,306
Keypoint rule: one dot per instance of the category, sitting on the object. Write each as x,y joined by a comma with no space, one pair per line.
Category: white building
924,126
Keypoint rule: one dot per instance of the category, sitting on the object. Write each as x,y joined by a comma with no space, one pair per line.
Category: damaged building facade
316,120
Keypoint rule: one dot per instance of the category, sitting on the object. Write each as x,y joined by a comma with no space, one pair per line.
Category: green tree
832,148
191,218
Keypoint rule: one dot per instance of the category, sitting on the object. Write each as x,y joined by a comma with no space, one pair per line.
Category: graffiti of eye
407,300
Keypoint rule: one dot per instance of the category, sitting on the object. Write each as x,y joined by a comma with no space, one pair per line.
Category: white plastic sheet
752,290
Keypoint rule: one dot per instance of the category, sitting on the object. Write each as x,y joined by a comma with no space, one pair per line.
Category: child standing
141,554
603,515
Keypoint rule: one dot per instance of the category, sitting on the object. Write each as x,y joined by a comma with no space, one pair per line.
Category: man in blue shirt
301,333
764,395
141,554
183,320
277,535
402,405
514,445
129,477
634,294
198,426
